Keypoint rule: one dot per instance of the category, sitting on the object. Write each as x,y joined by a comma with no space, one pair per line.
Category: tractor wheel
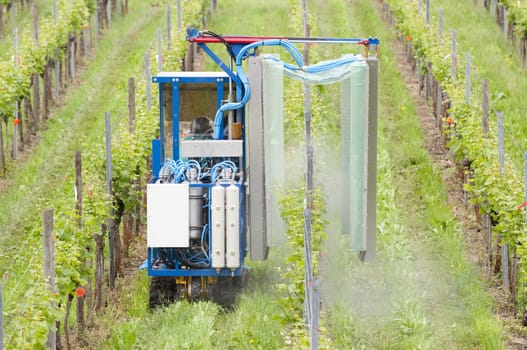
196,289
162,291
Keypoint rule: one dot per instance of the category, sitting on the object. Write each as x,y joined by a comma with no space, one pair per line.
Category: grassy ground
422,293
203,325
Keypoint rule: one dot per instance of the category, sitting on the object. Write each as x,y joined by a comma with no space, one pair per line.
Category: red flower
16,121
80,292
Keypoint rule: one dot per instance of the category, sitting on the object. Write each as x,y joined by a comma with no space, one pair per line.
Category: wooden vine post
169,28
485,107
440,25
49,265
2,157
109,191
108,13
159,51
71,56
13,9
56,53
131,104
487,223
505,246
454,59
17,118
78,210
467,79
1,309
96,19
48,95
148,82
1,19
128,219
428,65
311,285
36,77
179,16
99,266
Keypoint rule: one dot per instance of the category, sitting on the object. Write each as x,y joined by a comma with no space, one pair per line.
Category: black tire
162,291
196,290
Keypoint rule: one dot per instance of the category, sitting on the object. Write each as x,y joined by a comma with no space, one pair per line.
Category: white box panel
167,215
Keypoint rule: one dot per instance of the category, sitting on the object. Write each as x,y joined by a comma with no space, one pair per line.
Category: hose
293,51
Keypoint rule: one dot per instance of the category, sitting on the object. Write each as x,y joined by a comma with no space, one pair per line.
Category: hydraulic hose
293,51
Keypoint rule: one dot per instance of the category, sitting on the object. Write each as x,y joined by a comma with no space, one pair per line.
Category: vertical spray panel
345,132
358,156
218,226
273,111
232,214
254,126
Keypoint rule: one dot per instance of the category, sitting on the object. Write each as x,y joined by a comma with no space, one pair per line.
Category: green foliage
14,84
30,315
497,194
291,290
517,12
193,11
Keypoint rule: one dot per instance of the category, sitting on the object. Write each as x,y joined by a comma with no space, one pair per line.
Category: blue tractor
208,175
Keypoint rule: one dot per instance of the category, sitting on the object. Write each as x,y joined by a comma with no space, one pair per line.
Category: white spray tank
218,226
232,214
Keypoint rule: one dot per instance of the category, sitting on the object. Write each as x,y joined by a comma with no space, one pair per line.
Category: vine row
497,193
30,315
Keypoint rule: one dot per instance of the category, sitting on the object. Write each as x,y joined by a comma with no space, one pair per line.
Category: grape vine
27,303
497,194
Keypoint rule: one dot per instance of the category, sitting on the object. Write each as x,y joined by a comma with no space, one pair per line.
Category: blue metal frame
175,79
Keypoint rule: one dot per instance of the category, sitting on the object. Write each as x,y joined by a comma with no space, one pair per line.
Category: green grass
422,293
179,326
204,326
252,325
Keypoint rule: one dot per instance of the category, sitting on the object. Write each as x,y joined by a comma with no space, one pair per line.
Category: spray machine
209,202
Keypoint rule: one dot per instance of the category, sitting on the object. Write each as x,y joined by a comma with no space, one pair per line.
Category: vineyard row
495,187
27,300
